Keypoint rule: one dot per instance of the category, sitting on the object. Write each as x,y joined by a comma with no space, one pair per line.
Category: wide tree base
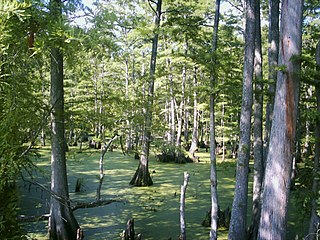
62,223
141,177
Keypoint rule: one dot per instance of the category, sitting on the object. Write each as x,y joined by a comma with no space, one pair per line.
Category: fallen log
77,205
24,218
96,203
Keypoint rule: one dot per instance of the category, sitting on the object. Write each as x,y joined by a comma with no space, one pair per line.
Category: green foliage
9,226
302,195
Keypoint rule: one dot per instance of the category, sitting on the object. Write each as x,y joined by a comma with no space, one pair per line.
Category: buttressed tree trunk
276,184
238,221
62,223
142,175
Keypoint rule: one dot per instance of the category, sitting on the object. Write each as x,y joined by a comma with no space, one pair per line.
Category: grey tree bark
273,53
142,175
213,169
62,223
314,219
257,127
276,183
238,221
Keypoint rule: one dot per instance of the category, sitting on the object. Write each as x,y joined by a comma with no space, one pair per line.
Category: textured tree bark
62,223
238,222
276,183
257,127
183,234
213,169
142,176
314,219
273,53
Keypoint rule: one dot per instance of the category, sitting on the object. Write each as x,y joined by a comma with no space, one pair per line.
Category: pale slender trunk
238,221
179,124
104,149
222,125
277,177
194,142
186,120
257,128
213,169
183,234
43,137
314,219
172,122
128,113
182,104
307,147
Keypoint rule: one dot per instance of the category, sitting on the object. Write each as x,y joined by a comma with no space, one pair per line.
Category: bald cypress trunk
62,223
277,178
142,175
238,222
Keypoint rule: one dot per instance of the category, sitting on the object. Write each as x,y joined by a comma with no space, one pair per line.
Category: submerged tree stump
129,233
223,218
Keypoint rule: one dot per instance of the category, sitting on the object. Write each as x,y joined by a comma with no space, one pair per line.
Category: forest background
149,73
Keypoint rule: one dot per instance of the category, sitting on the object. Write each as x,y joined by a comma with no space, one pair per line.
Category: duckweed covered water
155,209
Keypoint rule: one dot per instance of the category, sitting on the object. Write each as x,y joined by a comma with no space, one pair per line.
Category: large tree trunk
238,222
62,223
276,191
142,175
273,53
315,220
213,170
257,128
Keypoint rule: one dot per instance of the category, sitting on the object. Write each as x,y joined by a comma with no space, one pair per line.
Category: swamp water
155,209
